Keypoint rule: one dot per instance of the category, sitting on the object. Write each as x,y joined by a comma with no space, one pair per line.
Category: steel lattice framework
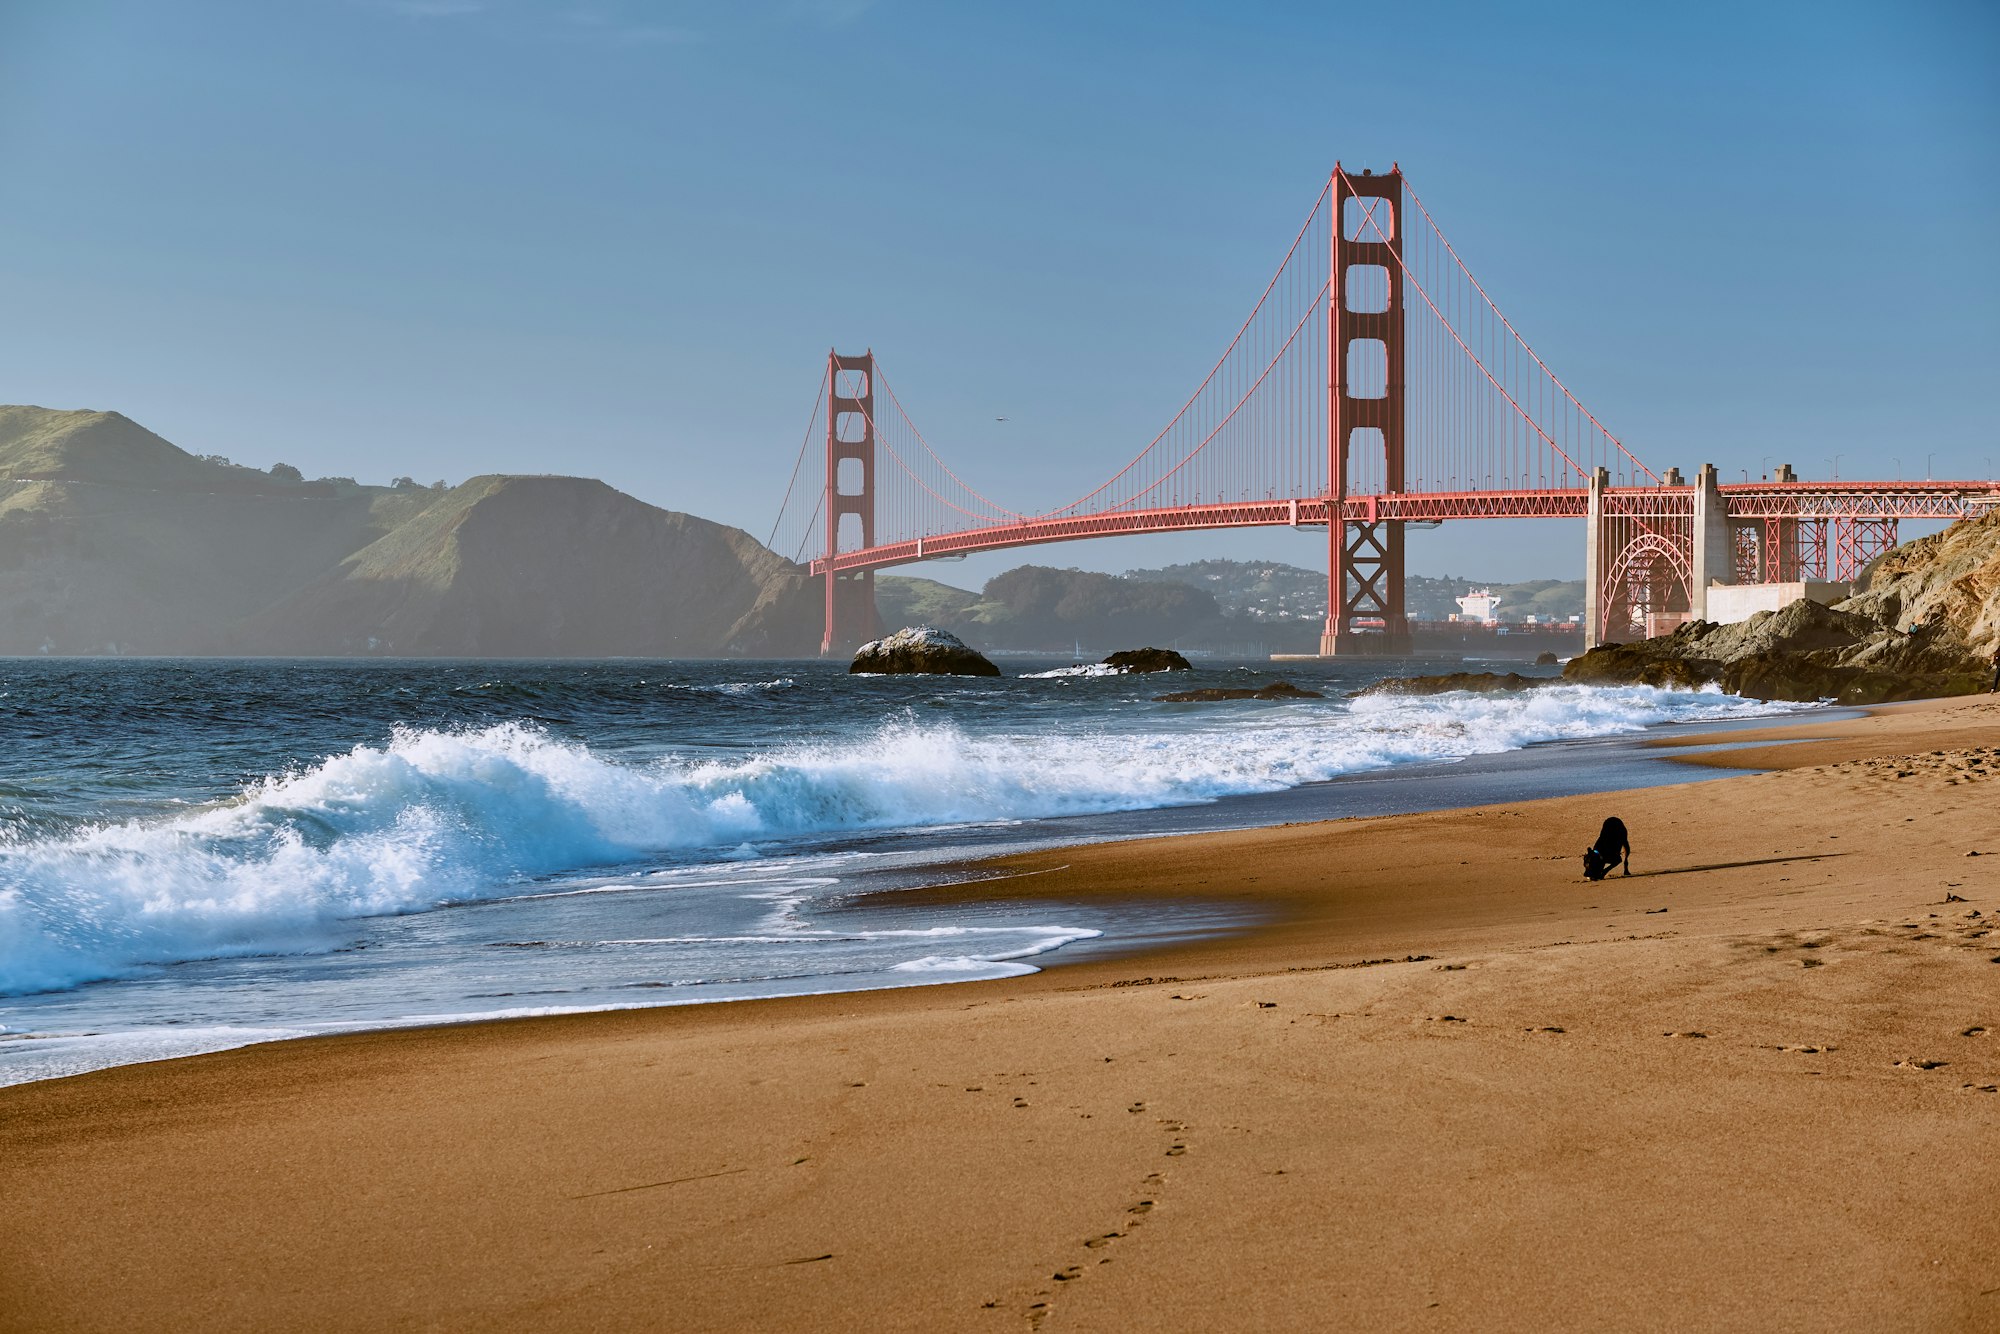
1373,385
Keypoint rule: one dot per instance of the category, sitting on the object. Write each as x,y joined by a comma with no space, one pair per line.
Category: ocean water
199,854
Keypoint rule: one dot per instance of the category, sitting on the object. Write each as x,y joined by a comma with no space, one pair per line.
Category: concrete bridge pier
1713,560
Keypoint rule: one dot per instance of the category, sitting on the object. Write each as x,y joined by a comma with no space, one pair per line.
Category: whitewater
193,855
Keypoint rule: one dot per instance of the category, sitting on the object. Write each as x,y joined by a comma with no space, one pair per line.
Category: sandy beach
1449,1086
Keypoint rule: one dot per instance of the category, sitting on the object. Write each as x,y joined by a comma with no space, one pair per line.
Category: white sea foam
441,816
1080,669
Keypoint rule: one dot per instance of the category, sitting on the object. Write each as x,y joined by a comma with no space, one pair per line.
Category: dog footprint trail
1098,1248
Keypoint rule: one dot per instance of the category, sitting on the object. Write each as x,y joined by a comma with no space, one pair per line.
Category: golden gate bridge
1374,384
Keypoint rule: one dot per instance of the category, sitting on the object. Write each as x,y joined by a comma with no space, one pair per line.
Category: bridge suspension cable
1480,410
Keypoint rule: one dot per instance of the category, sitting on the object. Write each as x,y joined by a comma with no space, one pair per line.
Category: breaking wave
438,816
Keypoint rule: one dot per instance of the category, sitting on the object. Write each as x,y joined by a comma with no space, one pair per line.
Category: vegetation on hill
1037,607
113,540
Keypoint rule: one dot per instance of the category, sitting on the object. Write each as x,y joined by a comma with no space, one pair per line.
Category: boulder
1148,660
1478,682
921,649
1546,659
1276,690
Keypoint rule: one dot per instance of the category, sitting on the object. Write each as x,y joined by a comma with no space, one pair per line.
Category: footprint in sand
1688,1033
1976,1030
1921,1065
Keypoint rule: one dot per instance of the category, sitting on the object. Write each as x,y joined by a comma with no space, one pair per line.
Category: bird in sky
999,419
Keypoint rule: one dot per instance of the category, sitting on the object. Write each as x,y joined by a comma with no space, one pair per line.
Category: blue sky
444,237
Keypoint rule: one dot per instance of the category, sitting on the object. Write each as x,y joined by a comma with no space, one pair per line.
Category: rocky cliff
114,540
1924,621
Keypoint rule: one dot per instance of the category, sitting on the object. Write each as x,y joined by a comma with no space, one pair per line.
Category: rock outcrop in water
1148,660
1213,694
920,649
113,540
1478,682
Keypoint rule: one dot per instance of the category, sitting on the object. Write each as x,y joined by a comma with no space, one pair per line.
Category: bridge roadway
1743,501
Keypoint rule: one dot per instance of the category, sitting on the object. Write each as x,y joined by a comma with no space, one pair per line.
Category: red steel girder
1802,501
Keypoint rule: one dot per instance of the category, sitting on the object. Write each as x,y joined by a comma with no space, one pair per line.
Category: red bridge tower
851,616
1365,378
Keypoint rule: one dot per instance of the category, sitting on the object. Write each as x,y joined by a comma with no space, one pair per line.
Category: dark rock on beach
1478,682
1546,660
1276,690
1148,660
921,650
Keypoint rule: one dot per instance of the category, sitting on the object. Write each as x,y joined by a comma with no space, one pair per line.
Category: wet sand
1450,1086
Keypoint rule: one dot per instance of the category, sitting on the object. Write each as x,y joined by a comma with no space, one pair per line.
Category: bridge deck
1743,501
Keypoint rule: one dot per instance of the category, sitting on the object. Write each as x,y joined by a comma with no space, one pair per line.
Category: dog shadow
1731,866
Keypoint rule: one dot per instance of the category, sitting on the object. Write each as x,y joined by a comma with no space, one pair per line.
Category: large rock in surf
920,649
1276,690
1148,660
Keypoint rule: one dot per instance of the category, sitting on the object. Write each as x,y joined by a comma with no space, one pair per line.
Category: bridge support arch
1649,554
1365,611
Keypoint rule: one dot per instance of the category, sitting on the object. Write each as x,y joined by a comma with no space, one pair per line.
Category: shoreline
82,1043
1448,1085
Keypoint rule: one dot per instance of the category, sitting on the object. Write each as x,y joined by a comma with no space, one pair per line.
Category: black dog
1612,847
